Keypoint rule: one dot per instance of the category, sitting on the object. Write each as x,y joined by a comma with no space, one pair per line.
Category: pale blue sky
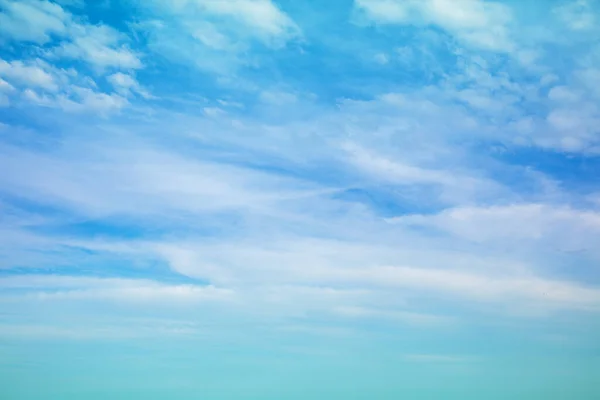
261,199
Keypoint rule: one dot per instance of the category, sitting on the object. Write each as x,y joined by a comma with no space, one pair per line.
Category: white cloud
563,94
160,179
125,85
32,20
38,99
553,228
381,58
455,186
577,15
48,287
86,99
401,139
213,112
291,242
209,35
344,264
411,318
395,170
590,79
41,21
281,243
278,97
219,24
290,280
215,36
481,24
29,75
101,46
262,16
80,99
539,292
100,333
64,35
5,87
142,293
483,100
43,84
122,81
576,127
548,79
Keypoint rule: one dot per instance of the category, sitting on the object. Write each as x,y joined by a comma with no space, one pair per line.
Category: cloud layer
370,168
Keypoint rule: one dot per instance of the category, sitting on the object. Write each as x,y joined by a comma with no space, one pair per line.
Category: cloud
262,17
480,99
540,292
199,186
250,268
48,288
126,85
5,89
5,86
93,333
60,38
101,46
122,81
517,222
88,100
454,185
286,278
563,94
546,234
416,178
281,211
481,24
281,223
278,97
32,20
40,83
29,75
577,15
590,78
410,318
381,58
42,22
215,36
80,99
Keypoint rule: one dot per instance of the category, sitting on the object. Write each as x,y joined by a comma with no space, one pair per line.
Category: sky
280,199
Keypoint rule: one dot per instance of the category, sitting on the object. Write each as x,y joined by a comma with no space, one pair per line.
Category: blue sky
383,197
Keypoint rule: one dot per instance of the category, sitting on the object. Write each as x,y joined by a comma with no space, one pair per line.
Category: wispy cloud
100,46
482,24
33,20
31,75
114,289
577,15
214,35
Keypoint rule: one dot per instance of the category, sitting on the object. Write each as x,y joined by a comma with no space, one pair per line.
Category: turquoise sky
299,199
